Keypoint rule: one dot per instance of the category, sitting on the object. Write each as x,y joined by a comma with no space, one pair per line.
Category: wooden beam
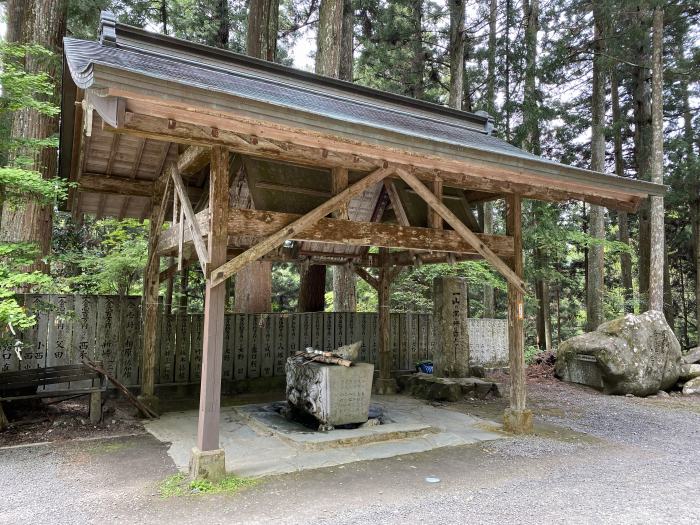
288,188
260,224
476,197
366,276
462,230
332,204
97,183
310,149
192,223
472,223
396,203
214,302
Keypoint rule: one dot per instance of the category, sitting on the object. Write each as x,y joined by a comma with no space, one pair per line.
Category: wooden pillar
517,418
150,299
208,460
385,384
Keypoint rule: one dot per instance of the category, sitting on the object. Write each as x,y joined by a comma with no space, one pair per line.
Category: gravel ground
593,459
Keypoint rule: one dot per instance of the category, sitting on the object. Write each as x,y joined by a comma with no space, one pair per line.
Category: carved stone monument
451,354
333,395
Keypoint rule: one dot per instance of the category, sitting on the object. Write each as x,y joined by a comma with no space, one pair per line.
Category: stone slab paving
257,448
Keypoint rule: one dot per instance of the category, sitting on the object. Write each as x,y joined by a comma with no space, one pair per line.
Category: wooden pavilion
253,160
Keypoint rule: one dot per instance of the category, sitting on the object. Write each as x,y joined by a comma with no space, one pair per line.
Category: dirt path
594,459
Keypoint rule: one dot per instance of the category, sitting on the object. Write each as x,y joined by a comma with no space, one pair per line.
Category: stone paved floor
256,449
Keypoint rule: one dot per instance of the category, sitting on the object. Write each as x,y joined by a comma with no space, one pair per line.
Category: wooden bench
24,384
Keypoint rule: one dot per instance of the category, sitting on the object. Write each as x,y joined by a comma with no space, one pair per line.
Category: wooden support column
434,218
517,418
150,295
385,384
208,460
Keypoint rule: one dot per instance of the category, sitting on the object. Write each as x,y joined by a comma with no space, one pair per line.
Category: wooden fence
108,328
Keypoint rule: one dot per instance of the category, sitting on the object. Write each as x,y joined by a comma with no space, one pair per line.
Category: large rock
692,387
636,354
693,356
689,372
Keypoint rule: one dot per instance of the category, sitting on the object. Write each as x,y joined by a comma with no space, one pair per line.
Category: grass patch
180,485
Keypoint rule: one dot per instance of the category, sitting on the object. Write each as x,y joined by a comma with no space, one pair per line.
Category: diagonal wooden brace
464,232
254,253
199,245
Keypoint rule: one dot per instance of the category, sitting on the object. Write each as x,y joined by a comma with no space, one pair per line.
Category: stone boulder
635,354
693,356
692,387
689,372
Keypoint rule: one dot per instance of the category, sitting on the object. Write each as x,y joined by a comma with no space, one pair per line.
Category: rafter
320,151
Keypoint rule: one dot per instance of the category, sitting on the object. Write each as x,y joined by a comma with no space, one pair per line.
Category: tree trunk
696,233
312,288
489,297
656,248
642,145
263,20
254,288
623,234
456,53
164,16
328,54
531,120
596,219
347,45
415,85
43,22
329,39
223,25
253,291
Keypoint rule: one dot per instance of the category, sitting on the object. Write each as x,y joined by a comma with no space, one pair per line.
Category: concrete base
151,402
209,465
385,386
517,421
267,448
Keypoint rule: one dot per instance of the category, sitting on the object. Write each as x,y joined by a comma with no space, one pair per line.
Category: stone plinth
334,395
208,464
451,354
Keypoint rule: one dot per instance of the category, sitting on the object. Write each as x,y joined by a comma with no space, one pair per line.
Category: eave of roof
85,58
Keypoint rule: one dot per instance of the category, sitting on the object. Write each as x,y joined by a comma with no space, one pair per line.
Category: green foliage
412,290
285,287
13,258
114,262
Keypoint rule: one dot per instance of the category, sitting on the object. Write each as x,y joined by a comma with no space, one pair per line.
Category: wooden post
434,218
150,296
208,460
385,384
517,418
